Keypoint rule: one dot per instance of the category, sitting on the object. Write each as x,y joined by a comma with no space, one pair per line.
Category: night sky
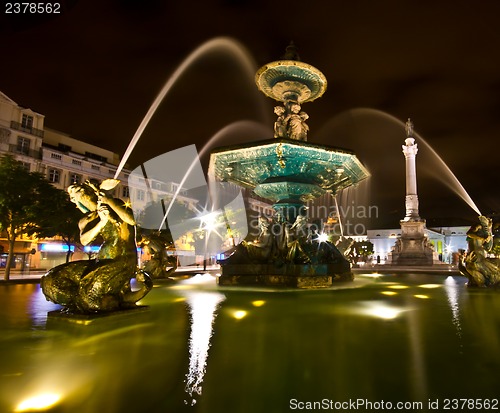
95,69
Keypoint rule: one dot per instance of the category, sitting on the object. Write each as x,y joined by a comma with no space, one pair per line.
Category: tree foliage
363,249
29,204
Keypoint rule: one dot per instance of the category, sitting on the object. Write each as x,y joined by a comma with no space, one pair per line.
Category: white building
447,242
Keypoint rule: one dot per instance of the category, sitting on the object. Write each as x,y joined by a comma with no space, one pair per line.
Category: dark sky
95,69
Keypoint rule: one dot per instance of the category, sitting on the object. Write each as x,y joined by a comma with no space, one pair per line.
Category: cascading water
447,176
221,43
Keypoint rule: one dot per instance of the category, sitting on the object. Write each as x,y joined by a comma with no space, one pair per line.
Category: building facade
64,160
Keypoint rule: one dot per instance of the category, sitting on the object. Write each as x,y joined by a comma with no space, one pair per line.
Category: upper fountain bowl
291,80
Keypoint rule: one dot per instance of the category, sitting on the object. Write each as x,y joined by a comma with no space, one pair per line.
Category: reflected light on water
380,310
452,294
258,303
239,314
430,285
398,287
371,275
203,307
38,403
390,293
423,296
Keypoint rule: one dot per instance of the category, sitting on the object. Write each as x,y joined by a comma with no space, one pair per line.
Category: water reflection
267,347
203,307
452,294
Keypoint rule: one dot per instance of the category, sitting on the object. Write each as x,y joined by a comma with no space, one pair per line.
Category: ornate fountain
287,171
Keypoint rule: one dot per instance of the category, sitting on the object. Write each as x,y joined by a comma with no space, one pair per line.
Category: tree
29,204
363,249
66,224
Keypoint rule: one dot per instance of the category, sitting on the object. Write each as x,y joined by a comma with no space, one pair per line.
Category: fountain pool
410,337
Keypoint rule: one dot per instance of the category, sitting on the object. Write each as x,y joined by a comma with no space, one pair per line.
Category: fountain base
413,248
286,275
92,318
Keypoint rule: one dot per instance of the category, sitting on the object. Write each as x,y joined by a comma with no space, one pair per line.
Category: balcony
33,131
37,154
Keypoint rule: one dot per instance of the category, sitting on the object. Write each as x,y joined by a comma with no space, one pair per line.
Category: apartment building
64,160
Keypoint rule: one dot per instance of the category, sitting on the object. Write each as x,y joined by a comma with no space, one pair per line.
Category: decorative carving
280,124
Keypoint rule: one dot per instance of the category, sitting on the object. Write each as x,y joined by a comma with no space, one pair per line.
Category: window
140,195
56,156
75,179
27,121
63,147
96,167
125,192
23,145
96,157
54,175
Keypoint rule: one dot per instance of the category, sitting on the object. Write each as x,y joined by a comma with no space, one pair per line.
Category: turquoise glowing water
407,338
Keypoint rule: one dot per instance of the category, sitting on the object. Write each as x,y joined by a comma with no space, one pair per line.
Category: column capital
411,148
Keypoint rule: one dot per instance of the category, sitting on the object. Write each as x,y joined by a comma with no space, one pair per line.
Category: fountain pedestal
413,247
287,171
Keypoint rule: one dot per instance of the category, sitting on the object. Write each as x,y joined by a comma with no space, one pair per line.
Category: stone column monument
413,247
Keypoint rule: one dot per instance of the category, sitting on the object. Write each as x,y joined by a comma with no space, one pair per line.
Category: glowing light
38,403
209,221
258,303
239,314
389,292
384,311
322,237
56,248
398,287
423,296
378,309
430,286
372,275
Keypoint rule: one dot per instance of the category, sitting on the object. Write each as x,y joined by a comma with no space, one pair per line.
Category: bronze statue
160,264
262,247
296,236
291,122
475,264
101,284
280,124
297,128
